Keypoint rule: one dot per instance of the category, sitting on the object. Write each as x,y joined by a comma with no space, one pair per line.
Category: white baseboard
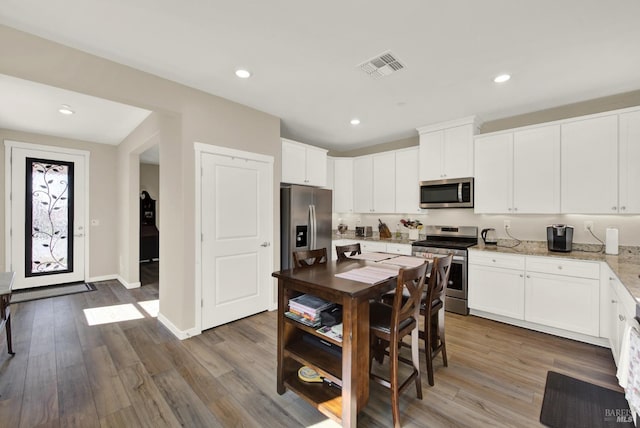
180,334
128,285
102,278
598,341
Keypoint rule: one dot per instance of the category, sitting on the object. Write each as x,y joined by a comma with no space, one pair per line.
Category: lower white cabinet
543,292
373,246
622,308
402,249
496,284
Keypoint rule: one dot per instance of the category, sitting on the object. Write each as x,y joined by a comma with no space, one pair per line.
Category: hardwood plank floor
135,373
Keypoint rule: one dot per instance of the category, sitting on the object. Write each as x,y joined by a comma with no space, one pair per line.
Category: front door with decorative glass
47,215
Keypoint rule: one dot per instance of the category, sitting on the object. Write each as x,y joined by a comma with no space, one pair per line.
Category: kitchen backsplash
524,227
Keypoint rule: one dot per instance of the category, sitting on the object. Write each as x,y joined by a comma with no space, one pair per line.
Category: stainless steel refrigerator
305,221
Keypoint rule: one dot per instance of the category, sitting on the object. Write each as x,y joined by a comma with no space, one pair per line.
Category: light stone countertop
626,265
351,235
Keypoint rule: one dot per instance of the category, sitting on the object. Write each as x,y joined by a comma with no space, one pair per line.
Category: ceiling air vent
382,65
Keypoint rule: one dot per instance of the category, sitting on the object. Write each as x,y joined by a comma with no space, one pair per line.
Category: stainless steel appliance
364,231
489,236
442,240
305,221
449,193
560,238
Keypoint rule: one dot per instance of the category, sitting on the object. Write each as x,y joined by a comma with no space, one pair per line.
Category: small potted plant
414,227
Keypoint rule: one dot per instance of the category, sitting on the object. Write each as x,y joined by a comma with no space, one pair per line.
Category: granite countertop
349,234
626,265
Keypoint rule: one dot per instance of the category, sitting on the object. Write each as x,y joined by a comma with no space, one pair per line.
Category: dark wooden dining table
347,391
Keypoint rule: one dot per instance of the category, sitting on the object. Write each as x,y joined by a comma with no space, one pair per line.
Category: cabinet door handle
528,276
623,208
515,209
560,267
493,260
521,275
621,318
614,301
613,208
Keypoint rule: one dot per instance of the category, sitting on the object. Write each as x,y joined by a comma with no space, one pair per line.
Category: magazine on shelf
334,332
309,303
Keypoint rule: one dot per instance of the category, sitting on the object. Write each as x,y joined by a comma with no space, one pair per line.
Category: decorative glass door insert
49,217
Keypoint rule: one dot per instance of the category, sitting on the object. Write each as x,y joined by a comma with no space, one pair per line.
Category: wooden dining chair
389,324
306,258
352,249
432,308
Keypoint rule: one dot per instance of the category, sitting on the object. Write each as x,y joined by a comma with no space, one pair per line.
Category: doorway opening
149,217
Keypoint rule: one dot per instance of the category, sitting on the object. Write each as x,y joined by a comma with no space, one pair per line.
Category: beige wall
150,181
184,116
103,201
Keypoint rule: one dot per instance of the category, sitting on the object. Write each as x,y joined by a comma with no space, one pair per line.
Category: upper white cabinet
407,188
446,150
303,164
343,185
330,172
493,184
590,166
518,172
374,183
629,191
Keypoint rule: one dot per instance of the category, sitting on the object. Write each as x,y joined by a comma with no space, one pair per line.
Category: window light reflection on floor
152,307
109,314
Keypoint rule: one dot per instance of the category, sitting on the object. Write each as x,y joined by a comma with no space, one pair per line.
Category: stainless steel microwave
448,193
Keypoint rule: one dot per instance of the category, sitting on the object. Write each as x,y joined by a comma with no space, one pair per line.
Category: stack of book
306,309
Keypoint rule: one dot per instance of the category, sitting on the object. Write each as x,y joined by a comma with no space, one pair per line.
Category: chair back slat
306,258
352,250
438,279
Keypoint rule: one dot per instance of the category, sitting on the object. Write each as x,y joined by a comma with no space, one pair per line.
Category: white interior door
236,228
47,217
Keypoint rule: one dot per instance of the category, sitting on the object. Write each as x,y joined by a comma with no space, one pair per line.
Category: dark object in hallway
570,402
149,234
37,293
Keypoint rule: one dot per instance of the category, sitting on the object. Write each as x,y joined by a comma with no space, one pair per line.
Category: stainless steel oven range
442,240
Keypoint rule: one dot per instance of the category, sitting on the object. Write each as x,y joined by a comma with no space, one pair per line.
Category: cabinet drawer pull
521,275
614,301
560,267
528,276
493,260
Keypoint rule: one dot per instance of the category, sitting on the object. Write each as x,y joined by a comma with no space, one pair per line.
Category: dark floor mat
570,402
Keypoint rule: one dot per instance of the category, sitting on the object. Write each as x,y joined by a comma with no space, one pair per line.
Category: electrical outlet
588,225
507,224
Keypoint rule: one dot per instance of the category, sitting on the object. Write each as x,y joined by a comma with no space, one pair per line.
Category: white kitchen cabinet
589,159
518,172
303,164
496,284
493,184
622,309
363,184
402,249
330,174
407,187
536,170
563,294
629,146
374,183
446,150
373,246
343,185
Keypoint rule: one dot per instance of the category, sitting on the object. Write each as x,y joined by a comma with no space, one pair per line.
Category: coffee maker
559,237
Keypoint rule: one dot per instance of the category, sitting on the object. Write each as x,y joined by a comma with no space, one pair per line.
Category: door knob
265,244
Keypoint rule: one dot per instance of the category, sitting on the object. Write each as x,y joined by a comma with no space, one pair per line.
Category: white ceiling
33,107
304,55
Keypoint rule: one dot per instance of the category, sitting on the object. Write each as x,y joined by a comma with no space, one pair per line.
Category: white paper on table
405,261
373,257
369,274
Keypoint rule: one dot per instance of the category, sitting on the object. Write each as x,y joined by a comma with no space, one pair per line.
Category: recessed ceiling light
65,109
242,73
502,78
355,121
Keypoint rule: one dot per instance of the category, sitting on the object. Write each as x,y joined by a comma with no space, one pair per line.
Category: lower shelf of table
327,399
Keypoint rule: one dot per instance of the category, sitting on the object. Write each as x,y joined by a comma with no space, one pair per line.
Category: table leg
355,359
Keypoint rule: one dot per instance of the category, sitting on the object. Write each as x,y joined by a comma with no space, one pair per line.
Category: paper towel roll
611,241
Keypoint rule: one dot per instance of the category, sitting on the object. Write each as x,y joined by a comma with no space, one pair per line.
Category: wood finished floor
135,373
